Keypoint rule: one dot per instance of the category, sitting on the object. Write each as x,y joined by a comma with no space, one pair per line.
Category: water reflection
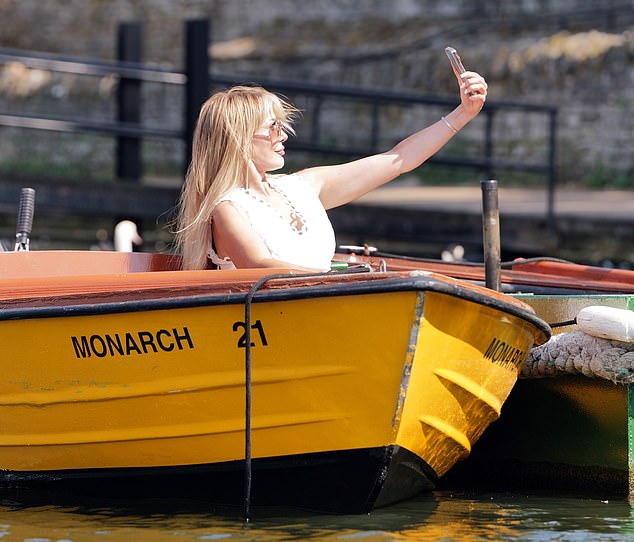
442,515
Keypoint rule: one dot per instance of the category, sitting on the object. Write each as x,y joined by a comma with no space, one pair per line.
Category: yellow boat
338,392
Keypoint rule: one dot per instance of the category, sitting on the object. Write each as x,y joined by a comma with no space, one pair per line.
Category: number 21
242,341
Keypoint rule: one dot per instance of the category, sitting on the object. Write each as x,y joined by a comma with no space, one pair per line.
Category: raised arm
340,184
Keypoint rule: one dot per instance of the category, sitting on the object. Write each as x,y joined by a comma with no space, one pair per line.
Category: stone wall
567,53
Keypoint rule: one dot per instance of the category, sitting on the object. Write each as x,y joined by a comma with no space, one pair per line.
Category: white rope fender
577,352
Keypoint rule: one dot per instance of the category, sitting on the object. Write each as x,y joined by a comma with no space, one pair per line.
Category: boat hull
379,386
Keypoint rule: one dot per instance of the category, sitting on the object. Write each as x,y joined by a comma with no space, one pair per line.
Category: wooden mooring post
491,233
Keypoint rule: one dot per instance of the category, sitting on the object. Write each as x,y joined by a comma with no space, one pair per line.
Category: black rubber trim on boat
415,282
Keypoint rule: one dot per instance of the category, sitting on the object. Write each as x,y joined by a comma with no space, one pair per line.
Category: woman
235,214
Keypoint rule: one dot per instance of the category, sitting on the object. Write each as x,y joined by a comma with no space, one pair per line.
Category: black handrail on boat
248,470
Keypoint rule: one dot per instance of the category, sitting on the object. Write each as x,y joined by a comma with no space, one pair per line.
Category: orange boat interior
75,277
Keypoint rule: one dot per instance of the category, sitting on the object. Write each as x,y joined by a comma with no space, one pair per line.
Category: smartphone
454,58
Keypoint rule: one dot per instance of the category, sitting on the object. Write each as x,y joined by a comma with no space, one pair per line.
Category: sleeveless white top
312,244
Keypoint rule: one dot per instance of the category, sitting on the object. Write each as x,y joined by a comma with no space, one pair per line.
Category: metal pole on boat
25,219
491,233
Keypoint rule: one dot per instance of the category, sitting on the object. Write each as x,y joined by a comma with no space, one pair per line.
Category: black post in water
129,49
491,233
197,72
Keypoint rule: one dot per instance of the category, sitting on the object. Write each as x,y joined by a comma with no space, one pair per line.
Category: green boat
568,425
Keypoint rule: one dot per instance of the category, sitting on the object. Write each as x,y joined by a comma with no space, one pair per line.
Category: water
439,516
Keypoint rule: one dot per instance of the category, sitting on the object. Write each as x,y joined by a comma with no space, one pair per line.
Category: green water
439,516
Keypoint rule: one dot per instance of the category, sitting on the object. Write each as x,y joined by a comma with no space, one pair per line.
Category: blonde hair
221,152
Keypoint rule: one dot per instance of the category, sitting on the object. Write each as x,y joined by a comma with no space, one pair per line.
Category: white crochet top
305,239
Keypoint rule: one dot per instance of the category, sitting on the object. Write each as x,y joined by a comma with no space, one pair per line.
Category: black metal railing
197,82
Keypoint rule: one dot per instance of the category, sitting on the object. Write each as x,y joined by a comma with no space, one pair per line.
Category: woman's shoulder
228,202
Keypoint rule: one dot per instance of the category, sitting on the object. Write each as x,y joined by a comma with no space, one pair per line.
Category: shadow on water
441,515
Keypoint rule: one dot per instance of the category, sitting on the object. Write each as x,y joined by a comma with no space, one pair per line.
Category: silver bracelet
449,125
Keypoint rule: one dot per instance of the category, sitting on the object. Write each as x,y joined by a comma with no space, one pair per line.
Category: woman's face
268,145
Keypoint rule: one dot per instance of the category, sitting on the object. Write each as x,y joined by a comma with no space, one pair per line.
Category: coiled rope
577,352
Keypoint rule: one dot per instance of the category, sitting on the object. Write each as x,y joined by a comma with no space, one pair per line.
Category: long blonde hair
221,153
